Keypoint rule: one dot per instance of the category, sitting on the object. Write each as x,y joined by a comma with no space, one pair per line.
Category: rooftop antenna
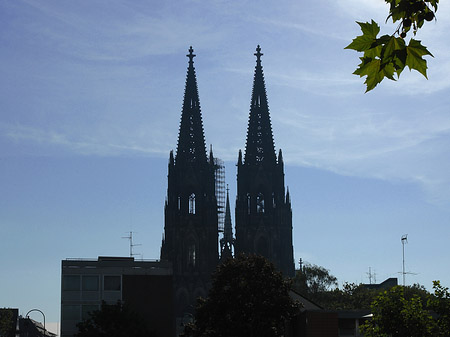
130,238
404,241
372,276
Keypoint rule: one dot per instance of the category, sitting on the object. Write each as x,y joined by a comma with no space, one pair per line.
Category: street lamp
42,316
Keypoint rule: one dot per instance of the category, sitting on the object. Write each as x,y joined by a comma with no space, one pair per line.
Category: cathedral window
179,202
260,203
192,203
248,203
191,255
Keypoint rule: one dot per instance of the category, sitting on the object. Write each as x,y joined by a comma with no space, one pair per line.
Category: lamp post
42,316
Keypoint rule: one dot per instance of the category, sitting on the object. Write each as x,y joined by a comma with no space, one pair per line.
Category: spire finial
258,54
191,55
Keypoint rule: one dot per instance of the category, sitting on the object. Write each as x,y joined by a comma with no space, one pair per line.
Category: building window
112,283
179,202
89,283
260,203
71,312
192,203
71,282
248,203
191,255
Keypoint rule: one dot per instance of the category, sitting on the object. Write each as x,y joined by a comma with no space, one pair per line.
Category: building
31,328
386,284
191,234
146,286
166,292
263,208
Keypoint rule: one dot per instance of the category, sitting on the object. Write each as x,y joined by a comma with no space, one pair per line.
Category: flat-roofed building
146,286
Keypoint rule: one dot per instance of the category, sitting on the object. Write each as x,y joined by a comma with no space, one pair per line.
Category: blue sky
90,104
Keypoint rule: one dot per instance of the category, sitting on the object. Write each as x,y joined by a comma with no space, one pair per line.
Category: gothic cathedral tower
263,210
190,230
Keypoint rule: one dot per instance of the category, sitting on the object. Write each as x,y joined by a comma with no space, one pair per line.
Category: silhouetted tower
263,210
227,242
190,231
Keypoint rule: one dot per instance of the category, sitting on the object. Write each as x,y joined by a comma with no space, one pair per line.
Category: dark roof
307,304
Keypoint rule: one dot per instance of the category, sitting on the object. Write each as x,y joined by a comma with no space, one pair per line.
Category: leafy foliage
316,283
7,326
248,298
397,316
439,302
351,296
388,55
312,279
113,321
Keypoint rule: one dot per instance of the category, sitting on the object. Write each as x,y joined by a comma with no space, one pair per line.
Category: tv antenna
372,276
130,238
405,241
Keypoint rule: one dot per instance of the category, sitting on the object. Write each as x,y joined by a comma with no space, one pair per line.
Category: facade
144,285
191,215
263,208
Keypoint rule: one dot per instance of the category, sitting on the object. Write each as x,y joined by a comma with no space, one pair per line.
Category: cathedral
263,214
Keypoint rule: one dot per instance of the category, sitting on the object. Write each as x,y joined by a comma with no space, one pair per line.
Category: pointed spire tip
191,55
258,54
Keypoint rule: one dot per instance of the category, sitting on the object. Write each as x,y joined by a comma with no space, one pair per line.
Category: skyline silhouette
90,109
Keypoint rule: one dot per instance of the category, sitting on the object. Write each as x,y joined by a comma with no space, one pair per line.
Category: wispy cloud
82,145
104,81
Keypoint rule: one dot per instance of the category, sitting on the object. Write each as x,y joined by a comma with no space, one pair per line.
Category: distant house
351,320
146,286
313,320
32,328
386,284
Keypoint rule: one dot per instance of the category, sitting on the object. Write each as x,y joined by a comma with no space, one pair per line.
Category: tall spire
228,227
227,242
260,146
191,139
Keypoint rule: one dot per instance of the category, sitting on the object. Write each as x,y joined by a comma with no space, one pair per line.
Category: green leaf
369,29
361,43
368,39
388,71
371,69
414,52
392,45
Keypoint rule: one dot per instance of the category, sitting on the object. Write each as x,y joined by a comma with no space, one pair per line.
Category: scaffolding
220,192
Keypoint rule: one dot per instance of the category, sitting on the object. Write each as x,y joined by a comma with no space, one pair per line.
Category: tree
351,296
439,302
315,282
7,325
248,298
398,316
387,55
312,279
115,320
